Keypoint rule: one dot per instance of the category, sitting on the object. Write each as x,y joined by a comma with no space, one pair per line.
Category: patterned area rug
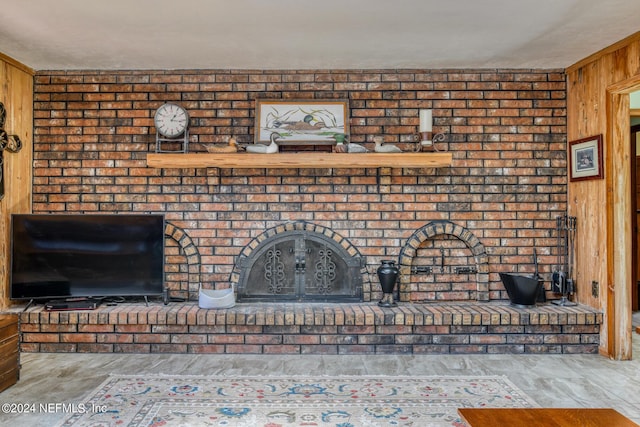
288,402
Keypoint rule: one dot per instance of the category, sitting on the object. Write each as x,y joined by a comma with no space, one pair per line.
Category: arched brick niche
263,270
443,229
173,268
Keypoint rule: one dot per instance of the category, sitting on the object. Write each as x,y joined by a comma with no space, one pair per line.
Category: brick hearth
304,328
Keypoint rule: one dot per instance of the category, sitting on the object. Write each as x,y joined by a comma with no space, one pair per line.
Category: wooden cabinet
9,351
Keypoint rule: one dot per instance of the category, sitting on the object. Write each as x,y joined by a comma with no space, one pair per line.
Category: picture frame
301,122
585,159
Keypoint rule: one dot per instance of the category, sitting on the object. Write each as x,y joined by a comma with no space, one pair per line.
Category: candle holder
427,141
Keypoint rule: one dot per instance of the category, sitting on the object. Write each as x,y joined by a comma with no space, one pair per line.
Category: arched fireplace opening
299,261
182,264
447,253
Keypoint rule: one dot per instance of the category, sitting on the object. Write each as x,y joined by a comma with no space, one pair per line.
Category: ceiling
304,34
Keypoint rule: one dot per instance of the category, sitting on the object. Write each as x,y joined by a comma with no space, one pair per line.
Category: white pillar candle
426,121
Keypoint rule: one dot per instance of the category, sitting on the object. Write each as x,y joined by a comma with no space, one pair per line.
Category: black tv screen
100,255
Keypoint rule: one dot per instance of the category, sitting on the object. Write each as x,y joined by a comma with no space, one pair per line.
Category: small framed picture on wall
585,159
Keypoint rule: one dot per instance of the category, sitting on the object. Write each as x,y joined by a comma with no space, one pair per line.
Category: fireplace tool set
562,280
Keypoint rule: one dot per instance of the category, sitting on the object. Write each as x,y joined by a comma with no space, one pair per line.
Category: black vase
387,274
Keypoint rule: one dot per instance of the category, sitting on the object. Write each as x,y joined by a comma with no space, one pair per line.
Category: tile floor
551,380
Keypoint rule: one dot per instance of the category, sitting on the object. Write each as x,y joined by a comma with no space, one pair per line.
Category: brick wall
446,328
506,128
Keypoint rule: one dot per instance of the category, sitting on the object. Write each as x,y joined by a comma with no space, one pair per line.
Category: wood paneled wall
16,93
596,90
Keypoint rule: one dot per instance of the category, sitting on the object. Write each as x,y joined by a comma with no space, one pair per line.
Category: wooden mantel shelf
299,160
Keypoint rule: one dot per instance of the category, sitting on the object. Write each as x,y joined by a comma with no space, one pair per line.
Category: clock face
171,120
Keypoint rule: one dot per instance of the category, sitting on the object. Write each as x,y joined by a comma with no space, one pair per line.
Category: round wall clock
171,120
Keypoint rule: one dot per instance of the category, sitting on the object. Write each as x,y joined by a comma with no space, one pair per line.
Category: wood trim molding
619,229
626,86
635,112
19,65
606,51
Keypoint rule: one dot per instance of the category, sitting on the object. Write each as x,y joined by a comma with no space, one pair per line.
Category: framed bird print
300,122
585,159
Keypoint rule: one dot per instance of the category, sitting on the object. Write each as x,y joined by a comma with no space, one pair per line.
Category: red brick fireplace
505,128
459,225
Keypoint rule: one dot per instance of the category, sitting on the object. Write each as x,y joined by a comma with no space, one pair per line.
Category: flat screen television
55,256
